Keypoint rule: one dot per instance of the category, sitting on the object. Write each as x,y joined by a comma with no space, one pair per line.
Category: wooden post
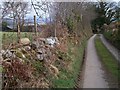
18,27
35,26
55,27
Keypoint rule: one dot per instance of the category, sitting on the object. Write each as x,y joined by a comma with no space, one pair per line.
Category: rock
8,54
52,41
13,50
41,51
35,45
41,54
41,41
24,41
27,48
40,57
2,51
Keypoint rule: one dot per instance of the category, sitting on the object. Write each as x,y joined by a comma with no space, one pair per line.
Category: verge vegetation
113,37
69,75
107,59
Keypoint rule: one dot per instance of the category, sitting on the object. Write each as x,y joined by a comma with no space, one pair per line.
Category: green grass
1,69
107,58
113,37
11,37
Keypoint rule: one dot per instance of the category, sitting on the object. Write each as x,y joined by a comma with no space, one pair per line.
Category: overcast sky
32,12
62,0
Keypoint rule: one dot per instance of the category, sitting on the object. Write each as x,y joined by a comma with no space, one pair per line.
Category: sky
62,0
32,12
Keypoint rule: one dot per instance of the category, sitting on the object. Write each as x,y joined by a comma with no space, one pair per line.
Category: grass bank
107,58
113,38
68,77
11,37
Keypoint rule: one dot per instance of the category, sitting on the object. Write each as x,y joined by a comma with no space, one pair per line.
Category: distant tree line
107,12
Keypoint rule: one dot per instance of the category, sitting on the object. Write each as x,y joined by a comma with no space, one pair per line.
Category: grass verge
68,77
107,59
113,38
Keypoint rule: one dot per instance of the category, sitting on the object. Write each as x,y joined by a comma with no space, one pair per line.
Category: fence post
18,28
35,26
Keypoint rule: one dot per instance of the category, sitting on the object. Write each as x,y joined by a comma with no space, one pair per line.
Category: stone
25,41
27,48
12,50
41,51
52,41
40,57
41,41
35,45
8,54
2,51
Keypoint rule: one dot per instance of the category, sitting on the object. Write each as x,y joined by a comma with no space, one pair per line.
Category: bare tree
76,15
16,11
42,8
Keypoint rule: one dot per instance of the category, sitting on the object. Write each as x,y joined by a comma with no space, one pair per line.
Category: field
11,37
